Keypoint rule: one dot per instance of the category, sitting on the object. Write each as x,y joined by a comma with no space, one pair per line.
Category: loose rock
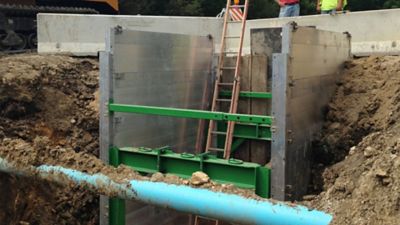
199,178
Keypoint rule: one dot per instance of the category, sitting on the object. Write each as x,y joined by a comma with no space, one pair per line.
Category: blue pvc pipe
202,202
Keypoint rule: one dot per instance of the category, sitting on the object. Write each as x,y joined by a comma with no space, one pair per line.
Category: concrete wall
85,34
373,32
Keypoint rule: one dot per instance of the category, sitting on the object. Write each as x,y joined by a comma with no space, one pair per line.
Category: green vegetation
258,8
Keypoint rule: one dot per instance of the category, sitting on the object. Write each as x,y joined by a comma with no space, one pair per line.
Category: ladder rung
226,84
228,68
234,21
224,100
218,133
230,52
216,149
232,36
238,6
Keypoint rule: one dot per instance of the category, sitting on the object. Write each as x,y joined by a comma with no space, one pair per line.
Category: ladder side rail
236,88
218,78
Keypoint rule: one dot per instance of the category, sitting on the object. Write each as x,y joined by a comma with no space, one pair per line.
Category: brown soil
361,142
49,97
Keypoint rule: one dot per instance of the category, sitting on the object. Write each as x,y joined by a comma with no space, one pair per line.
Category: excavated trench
48,115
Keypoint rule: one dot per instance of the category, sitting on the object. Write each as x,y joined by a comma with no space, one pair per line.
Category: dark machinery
18,18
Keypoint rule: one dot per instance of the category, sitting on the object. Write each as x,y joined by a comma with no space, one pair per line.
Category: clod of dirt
157,177
199,178
362,137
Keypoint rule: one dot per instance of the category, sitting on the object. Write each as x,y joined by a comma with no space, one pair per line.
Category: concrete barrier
373,32
85,34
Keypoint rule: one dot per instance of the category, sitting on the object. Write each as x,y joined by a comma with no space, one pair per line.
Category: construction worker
330,6
289,8
236,2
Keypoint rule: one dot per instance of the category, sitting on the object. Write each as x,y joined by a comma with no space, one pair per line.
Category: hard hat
236,2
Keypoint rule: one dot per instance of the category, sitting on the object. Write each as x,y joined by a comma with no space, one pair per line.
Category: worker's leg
284,12
296,10
290,10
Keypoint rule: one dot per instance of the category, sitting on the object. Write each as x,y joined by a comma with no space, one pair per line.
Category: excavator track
24,10
18,24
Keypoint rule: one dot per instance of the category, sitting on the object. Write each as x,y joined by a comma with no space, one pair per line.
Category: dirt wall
357,155
50,97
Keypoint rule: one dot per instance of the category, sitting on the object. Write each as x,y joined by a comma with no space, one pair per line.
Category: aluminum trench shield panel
304,80
153,69
165,70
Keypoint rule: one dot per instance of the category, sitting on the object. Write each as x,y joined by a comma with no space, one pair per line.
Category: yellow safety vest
330,4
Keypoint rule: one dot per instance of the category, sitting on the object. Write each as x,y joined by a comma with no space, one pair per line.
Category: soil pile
52,98
361,136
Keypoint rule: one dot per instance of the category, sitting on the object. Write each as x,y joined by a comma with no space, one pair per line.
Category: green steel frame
164,160
190,113
116,206
248,94
259,132
244,132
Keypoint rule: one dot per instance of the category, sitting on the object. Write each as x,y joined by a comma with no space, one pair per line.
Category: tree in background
185,7
142,7
258,8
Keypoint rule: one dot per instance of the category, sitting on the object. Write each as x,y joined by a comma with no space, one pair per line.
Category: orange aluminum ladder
233,14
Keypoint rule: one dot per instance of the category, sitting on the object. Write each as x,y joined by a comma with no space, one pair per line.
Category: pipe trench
203,202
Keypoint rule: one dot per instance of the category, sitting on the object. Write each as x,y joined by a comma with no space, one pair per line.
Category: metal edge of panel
349,39
105,124
106,117
110,40
279,134
287,36
282,75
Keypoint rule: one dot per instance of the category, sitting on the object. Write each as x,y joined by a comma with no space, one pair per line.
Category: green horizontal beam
190,113
248,94
249,131
241,174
